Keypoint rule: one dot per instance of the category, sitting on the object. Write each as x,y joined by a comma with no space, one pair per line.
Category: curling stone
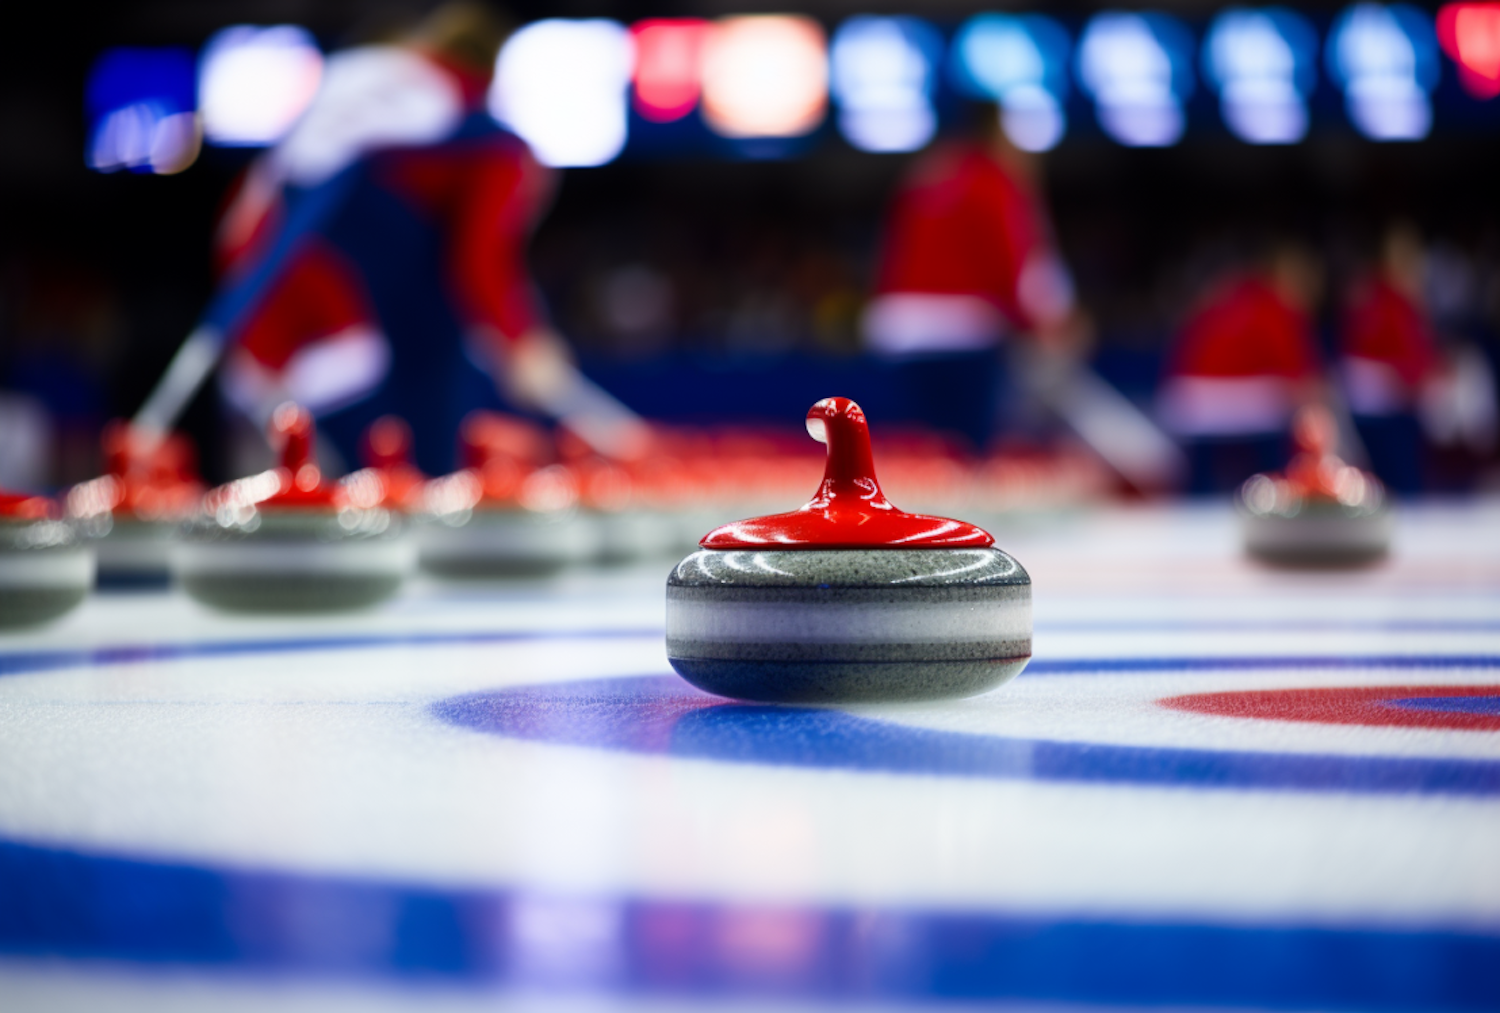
287,541
848,599
506,513
1322,512
614,498
628,528
389,479
46,569
133,511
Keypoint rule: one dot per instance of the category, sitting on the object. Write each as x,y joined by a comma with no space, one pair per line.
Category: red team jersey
1246,331
320,295
485,198
1384,325
379,246
482,195
964,225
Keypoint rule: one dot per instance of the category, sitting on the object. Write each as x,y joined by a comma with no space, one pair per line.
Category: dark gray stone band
291,593
846,682
957,650
29,606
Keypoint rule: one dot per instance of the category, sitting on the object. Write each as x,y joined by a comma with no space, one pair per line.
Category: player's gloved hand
537,370
1069,337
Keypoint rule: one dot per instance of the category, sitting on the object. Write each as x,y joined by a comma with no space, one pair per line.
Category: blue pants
1396,449
956,392
1220,464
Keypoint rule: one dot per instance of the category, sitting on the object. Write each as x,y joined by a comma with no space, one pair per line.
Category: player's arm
1045,292
311,337
503,193
1042,295
1300,364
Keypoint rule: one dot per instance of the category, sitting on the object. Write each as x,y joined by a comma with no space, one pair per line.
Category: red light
668,55
1470,34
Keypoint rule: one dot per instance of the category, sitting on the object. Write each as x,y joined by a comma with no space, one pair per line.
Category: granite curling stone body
45,567
133,512
286,541
848,599
507,512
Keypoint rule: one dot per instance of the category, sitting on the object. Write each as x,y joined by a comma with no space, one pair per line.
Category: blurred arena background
713,246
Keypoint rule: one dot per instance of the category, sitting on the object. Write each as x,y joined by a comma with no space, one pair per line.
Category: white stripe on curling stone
511,537
134,551
1299,534
848,622
633,534
46,568
253,558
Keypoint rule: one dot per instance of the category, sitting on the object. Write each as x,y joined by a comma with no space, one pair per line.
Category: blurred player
1388,357
968,260
1242,364
373,263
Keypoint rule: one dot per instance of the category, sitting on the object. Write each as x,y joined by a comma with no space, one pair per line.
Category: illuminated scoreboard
584,92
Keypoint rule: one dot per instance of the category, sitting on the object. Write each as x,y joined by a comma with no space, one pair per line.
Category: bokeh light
141,111
370,97
253,82
1020,63
563,85
1263,64
668,66
1138,68
1385,59
883,71
1470,35
765,75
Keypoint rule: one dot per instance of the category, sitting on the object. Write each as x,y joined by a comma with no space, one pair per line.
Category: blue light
141,111
1386,60
1020,63
882,77
1138,68
1262,63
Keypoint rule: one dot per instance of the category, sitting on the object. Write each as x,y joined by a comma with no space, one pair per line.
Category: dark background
101,276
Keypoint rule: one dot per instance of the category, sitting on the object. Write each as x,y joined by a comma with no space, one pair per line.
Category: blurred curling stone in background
286,540
510,511
669,480
46,568
848,598
738,472
616,497
133,511
1323,511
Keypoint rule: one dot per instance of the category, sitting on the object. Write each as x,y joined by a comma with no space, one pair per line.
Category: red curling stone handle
302,482
848,511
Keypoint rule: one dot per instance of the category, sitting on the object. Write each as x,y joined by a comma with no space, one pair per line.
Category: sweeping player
968,260
1389,358
374,262
1242,364
378,248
